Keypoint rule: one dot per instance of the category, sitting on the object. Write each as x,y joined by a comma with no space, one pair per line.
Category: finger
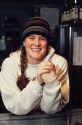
48,67
42,71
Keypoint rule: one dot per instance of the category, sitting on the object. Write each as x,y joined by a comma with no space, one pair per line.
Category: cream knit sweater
51,97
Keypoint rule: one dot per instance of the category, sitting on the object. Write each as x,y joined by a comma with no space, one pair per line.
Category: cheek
26,44
44,44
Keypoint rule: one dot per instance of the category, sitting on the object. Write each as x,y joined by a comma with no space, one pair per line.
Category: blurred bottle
80,11
2,37
65,13
2,43
74,12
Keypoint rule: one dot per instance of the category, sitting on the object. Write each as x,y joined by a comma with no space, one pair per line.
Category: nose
37,43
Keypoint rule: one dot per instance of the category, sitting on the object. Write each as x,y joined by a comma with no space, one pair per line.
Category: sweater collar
16,55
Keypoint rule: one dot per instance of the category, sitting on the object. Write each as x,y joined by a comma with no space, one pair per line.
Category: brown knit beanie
36,25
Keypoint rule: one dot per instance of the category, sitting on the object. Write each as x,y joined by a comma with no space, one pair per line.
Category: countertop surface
69,117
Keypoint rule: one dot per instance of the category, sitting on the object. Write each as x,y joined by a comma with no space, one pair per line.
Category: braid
22,80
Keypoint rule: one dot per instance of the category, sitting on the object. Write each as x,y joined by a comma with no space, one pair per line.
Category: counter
69,117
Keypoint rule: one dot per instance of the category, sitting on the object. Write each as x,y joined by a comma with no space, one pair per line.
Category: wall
20,10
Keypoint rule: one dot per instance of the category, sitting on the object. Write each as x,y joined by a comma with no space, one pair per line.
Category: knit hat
36,25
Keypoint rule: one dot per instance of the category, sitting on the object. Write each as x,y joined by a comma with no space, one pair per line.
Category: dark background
13,15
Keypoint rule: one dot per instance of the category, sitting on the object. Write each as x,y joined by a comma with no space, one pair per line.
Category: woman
35,77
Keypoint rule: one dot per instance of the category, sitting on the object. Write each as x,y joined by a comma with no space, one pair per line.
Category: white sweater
51,98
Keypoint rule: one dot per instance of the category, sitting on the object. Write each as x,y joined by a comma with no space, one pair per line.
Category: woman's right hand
46,69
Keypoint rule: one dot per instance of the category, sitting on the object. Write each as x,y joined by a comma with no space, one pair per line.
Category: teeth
36,49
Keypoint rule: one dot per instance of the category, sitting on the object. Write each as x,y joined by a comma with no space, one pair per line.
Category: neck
33,61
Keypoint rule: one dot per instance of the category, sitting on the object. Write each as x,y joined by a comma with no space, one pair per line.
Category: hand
46,72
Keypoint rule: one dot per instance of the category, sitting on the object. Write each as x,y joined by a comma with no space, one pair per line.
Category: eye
31,37
43,38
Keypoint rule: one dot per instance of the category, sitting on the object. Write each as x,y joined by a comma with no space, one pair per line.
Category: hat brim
35,32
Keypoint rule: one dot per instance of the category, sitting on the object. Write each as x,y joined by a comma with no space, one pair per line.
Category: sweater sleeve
56,94
16,101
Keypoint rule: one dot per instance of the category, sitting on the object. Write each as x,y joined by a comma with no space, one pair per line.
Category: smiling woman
36,47
35,77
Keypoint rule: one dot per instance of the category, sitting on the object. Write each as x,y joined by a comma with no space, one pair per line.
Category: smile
36,49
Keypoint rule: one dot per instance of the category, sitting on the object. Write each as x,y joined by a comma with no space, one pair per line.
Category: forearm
51,97
65,90
24,101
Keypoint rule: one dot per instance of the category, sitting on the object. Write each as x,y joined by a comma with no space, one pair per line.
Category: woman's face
36,47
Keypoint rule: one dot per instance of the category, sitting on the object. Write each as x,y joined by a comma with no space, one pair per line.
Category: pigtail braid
22,80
